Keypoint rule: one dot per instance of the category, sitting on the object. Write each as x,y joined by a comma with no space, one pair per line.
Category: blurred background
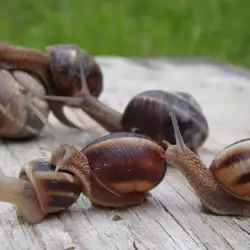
140,28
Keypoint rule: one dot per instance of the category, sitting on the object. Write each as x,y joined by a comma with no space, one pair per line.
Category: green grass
214,28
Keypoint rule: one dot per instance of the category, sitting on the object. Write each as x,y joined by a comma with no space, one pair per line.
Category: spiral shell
231,169
65,70
148,114
126,162
18,120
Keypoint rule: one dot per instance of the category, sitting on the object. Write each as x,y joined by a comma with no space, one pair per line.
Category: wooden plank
172,218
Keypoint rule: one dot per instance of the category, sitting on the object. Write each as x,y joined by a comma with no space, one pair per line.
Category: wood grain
172,217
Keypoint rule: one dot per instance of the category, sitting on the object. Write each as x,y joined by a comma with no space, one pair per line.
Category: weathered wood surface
172,218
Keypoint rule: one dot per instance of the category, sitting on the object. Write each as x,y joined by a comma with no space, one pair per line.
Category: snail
29,72
39,190
223,188
148,113
115,170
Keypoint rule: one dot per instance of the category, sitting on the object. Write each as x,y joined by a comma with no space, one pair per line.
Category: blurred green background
145,28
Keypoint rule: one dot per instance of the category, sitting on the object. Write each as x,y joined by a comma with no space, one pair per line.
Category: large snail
223,188
29,72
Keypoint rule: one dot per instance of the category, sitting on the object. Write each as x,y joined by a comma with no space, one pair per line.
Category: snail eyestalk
68,153
179,140
109,118
82,74
67,99
84,87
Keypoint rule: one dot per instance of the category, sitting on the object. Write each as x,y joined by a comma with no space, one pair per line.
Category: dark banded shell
148,114
126,162
65,70
56,191
231,169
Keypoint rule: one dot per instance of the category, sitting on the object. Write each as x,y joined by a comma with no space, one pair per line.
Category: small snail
223,188
148,113
116,170
39,190
29,72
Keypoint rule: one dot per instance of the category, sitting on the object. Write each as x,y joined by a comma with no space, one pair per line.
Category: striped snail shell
116,170
148,113
231,169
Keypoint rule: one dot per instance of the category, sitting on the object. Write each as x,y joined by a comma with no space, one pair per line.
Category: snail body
29,72
122,167
223,188
39,191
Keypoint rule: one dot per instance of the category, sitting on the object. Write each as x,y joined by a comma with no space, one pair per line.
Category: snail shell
56,191
126,162
231,169
148,113
65,66
18,121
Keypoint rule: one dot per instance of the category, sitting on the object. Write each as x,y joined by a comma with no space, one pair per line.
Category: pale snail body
28,72
121,167
224,187
39,191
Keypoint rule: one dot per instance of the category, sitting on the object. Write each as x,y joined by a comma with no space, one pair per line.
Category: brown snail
39,190
116,170
29,72
223,188
148,113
